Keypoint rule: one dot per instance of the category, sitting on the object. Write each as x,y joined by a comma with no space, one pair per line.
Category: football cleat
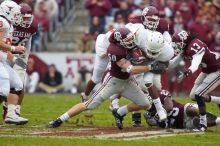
200,128
162,114
15,119
83,96
55,123
136,119
118,119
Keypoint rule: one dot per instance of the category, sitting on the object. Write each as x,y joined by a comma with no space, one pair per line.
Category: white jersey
102,43
6,29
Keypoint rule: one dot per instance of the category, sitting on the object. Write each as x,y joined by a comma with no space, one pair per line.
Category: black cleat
200,128
55,123
118,119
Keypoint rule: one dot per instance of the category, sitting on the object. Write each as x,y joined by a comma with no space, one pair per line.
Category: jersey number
18,41
173,114
196,47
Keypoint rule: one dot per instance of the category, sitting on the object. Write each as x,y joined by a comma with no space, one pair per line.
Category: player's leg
4,84
209,84
107,89
139,101
100,65
154,93
16,85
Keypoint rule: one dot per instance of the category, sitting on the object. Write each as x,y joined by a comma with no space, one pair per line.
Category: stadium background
68,29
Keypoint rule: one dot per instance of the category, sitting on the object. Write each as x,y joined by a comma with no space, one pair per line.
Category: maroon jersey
162,26
115,54
210,62
21,35
176,115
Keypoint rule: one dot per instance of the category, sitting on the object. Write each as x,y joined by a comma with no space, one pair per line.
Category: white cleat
162,114
15,119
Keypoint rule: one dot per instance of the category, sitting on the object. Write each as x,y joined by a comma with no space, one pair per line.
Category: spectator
215,46
120,22
32,77
99,8
40,13
124,11
87,43
52,82
188,9
178,22
201,27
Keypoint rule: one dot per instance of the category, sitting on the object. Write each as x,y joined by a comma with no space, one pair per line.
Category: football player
150,82
9,16
180,116
116,79
22,36
198,53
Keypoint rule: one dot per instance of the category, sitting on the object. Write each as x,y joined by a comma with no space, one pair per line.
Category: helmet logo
117,36
10,8
145,11
183,35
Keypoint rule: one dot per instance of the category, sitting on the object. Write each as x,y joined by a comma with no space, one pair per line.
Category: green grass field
40,109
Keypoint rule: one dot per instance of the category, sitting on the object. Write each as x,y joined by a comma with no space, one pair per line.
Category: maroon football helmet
124,37
150,17
180,39
26,15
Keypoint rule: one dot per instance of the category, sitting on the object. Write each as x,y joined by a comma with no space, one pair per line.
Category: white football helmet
155,42
11,11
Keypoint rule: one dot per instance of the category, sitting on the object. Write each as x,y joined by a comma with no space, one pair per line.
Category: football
137,56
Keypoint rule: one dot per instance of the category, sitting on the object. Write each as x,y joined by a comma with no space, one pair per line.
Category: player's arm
128,67
196,61
6,47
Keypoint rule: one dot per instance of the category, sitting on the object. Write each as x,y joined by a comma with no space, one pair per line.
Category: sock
215,99
115,103
123,110
203,120
11,109
157,103
18,109
217,121
64,117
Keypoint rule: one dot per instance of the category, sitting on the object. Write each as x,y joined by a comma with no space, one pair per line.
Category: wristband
12,49
129,68
149,66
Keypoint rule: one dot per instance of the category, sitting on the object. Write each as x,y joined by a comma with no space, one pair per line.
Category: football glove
183,75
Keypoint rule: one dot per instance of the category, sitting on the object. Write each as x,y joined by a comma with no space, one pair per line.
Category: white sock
18,109
217,121
115,103
203,120
215,99
11,109
64,117
157,104
123,110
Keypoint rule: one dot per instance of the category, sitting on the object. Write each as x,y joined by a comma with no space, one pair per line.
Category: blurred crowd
201,17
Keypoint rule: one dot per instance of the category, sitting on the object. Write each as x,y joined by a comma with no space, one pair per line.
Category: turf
40,109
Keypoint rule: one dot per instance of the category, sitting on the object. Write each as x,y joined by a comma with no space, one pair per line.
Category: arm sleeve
197,59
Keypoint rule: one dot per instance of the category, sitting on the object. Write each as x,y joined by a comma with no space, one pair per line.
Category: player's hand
20,49
123,63
157,66
183,75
